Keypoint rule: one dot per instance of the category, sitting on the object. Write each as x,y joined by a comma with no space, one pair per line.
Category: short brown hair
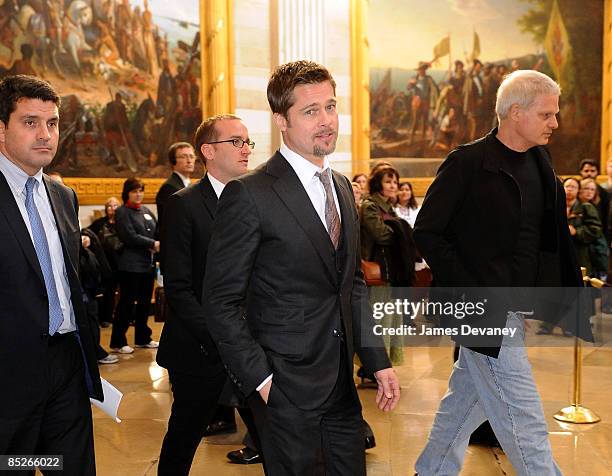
207,132
131,184
21,86
375,183
173,148
289,75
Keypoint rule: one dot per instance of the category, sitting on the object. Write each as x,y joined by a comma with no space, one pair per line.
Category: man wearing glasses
197,375
182,160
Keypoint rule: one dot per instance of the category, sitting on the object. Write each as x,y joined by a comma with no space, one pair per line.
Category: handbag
161,305
371,273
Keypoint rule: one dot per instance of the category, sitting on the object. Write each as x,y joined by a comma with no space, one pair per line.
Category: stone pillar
217,47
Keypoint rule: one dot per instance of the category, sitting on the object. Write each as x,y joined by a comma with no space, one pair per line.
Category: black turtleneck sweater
523,168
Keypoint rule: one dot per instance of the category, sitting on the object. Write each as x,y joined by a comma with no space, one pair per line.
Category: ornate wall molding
95,191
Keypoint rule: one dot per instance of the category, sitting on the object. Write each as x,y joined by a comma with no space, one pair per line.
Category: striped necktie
41,246
332,219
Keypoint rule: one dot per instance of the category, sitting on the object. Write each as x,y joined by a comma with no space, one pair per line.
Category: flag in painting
557,43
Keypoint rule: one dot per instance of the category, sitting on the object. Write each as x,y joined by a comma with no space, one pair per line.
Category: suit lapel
9,208
346,200
176,181
57,206
209,196
290,190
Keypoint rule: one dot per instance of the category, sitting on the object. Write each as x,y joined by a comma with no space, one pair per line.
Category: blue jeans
501,390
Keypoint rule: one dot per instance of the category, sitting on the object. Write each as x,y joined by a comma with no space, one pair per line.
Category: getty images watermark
479,316
408,309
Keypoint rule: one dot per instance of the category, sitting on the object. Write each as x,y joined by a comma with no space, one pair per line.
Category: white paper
112,398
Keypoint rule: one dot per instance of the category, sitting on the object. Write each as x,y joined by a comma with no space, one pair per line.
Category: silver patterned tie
332,219
44,257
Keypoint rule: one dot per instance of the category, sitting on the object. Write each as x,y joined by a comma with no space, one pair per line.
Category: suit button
44,335
338,333
44,296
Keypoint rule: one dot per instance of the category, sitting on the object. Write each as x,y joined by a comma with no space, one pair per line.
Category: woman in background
406,205
387,241
104,228
136,226
362,180
584,227
598,250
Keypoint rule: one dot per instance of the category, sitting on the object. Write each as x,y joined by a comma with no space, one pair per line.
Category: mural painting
435,68
128,72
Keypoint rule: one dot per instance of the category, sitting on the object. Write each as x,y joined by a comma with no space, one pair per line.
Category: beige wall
259,48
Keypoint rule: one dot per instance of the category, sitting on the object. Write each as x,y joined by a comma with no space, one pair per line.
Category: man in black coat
495,217
186,349
286,302
182,160
47,350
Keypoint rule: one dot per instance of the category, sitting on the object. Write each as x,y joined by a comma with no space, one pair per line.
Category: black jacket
271,254
136,228
172,185
24,308
469,223
185,344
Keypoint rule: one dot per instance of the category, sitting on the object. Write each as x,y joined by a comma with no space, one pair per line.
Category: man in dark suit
47,350
182,160
186,349
286,302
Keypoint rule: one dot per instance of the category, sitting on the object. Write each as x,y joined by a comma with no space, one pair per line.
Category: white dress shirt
216,185
17,179
186,180
306,171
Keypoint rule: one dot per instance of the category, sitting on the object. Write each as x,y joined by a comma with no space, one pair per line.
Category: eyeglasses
186,156
238,143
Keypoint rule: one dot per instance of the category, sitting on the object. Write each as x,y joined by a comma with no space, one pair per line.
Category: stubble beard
322,151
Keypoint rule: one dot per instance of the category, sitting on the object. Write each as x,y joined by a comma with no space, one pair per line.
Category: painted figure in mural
425,94
149,42
78,15
490,85
138,47
24,65
107,49
472,99
118,134
123,29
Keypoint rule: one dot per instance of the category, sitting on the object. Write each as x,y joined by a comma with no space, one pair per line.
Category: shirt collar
15,176
216,185
186,180
304,169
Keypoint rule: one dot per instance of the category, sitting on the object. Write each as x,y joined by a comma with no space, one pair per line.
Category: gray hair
521,87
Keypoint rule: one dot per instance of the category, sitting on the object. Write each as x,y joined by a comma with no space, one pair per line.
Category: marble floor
132,446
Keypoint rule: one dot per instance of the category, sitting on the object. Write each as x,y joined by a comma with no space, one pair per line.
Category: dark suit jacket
271,254
468,227
137,230
171,185
185,344
24,308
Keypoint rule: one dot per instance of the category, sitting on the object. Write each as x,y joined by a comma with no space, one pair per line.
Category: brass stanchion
576,413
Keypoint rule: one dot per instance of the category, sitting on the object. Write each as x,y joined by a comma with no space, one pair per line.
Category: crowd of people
266,280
